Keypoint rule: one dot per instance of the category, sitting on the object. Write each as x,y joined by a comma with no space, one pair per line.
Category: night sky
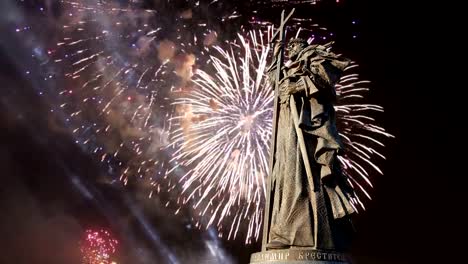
51,190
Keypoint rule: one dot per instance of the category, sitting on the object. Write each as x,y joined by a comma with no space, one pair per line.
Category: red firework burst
98,247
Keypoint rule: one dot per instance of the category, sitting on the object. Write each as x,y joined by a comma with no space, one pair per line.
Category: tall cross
279,64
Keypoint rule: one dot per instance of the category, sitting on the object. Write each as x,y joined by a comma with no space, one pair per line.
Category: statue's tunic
305,215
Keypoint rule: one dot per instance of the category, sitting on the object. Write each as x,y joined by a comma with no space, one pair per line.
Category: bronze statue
308,204
309,191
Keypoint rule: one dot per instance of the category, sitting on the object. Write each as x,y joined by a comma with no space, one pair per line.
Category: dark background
43,207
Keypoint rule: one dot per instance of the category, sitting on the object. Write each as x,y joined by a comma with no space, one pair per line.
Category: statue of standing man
309,206
307,202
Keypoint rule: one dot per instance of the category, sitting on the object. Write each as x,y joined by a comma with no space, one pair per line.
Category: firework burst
98,247
222,135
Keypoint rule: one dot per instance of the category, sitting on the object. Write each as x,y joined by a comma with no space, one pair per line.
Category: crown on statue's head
295,41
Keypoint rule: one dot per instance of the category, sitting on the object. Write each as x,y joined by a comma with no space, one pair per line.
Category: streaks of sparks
116,85
359,132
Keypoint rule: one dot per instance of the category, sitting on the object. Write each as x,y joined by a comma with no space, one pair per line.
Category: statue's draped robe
304,215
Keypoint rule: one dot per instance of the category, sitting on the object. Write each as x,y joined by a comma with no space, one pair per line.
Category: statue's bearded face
294,49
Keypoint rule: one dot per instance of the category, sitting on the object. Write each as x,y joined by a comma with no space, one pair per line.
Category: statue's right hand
277,45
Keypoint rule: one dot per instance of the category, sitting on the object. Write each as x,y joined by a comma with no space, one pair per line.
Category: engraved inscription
278,255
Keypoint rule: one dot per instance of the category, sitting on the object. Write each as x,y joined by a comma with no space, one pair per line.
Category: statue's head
295,46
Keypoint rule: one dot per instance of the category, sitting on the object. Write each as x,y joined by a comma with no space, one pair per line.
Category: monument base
298,256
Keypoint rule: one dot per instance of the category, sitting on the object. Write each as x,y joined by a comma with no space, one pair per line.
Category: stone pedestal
298,256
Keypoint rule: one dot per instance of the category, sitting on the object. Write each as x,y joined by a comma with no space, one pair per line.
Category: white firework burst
223,136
